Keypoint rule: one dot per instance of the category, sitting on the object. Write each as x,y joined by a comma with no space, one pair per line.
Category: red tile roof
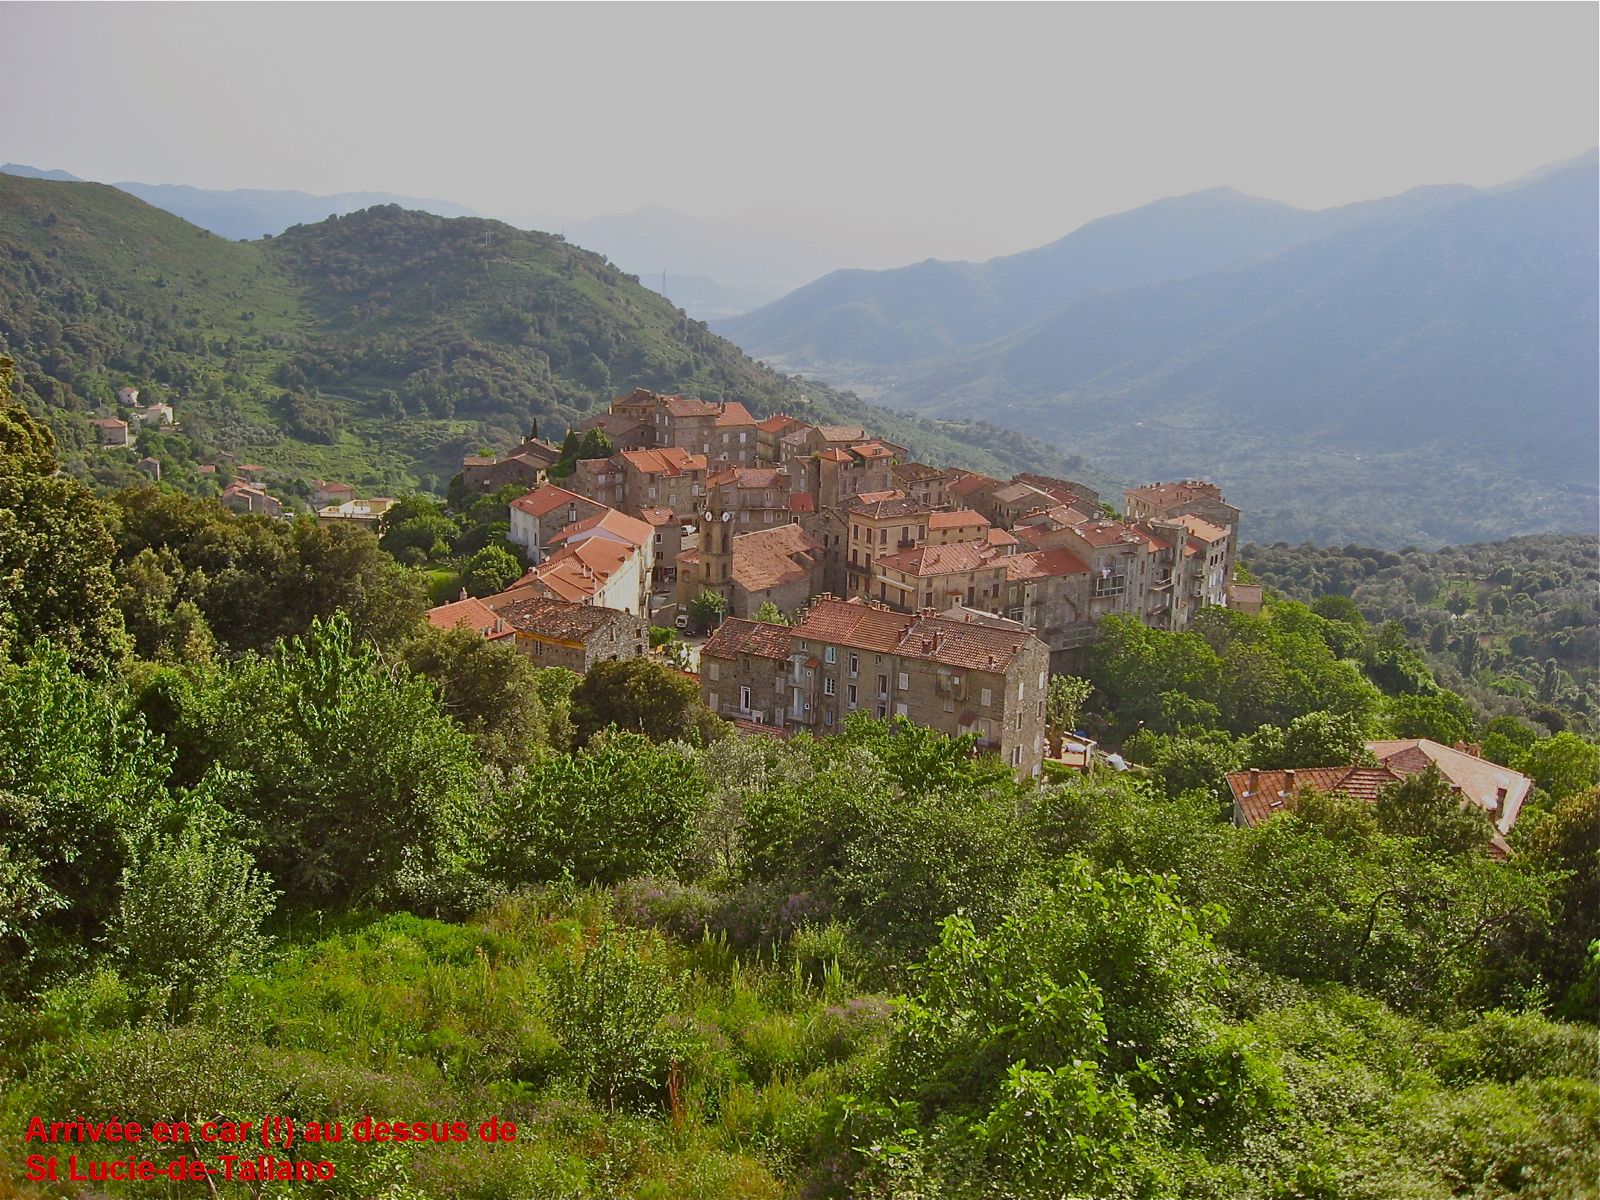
1043,564
779,423
470,613
546,616
935,639
956,519
668,460
968,484
619,525
546,498
949,559
736,636
769,558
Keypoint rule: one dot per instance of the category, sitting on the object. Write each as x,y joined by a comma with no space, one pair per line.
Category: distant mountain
1418,369
248,213
376,347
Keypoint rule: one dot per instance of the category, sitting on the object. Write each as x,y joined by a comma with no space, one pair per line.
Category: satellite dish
727,516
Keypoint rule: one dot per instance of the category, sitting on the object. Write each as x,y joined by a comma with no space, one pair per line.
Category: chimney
1288,781
1255,781
463,595
1499,801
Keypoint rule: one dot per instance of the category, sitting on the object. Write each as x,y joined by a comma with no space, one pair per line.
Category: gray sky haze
967,131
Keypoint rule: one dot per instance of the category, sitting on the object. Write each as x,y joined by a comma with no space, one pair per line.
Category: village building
957,677
249,498
782,566
935,578
962,525
617,529
665,478
324,493
931,485
1191,497
128,397
769,437
1498,792
110,431
469,613
597,571
557,633
526,465
600,479
150,466
880,524
1048,592
361,514
623,431
539,515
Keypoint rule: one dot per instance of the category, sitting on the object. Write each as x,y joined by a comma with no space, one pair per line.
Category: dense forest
343,865
376,348
1513,626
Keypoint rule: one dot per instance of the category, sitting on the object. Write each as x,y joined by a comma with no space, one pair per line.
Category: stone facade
554,633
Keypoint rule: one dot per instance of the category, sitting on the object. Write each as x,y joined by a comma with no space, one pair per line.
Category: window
855,661
984,697
883,537
744,698
830,654
850,695
1016,756
900,710
827,686
877,660
711,670
711,702
883,711
883,686
905,681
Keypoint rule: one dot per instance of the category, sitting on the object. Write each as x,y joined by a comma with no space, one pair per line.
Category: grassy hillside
378,347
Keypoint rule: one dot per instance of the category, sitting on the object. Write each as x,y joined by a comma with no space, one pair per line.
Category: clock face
706,514
727,516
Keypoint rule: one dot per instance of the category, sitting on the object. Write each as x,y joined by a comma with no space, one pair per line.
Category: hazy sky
976,129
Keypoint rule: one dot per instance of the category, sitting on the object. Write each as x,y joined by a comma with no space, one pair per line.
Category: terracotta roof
1497,790
999,537
871,450
619,525
1165,495
870,497
1043,564
832,455
915,472
802,502
969,484
546,498
613,425
1274,790
760,638
669,460
735,413
1023,491
956,519
1204,530
546,616
942,560
779,423
470,613
686,406
109,423
750,477
577,572
934,639
898,506
843,433
781,733
1102,534
768,558
656,515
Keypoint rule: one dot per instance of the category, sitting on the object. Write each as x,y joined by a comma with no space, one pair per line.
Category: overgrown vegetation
343,865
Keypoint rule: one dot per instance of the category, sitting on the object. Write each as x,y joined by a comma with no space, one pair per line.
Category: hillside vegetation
348,866
1349,375
1514,625
377,348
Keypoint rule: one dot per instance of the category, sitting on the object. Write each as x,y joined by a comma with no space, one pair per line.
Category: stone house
524,465
557,633
536,518
954,676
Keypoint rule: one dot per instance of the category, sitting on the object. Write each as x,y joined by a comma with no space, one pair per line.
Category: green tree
707,610
769,613
490,570
490,688
56,549
1426,808
1438,716
1065,700
364,791
192,904
1562,764
641,696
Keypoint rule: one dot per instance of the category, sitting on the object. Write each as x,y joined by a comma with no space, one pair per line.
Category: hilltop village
883,585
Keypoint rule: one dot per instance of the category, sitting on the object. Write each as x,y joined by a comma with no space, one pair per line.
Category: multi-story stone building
1048,592
939,577
879,525
557,633
539,516
955,676
666,478
525,465
1191,497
